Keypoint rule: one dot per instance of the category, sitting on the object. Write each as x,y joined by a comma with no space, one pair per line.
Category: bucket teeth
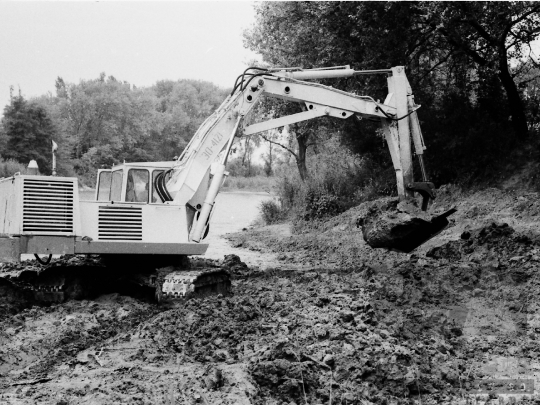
49,292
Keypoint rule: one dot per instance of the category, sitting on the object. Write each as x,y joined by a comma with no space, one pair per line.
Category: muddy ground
330,321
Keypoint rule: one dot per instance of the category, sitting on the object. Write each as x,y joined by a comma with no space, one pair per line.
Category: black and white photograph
269,202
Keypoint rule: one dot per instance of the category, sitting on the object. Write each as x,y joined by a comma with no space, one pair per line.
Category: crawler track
79,277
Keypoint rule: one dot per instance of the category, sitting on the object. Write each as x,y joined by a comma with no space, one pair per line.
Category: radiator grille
120,223
48,206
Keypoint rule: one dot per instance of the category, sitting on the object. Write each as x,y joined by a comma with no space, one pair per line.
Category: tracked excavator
147,218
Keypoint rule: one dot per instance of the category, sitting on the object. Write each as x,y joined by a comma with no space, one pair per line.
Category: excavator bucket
402,233
409,237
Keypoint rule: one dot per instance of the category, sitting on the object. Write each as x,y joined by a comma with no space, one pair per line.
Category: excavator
153,215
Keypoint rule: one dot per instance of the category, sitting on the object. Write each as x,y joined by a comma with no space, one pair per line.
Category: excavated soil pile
38,342
470,306
388,221
401,226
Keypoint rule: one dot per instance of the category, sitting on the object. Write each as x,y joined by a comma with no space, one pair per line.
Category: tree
270,157
296,138
491,35
28,132
181,107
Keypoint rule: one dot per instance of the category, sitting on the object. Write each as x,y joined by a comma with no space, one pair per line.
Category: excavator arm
199,172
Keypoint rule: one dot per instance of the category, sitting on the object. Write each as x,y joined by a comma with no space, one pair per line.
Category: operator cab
131,182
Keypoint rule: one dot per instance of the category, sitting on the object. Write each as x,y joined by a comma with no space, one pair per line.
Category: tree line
104,121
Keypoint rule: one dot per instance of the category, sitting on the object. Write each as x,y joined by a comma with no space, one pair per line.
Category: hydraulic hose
242,88
236,83
161,188
41,261
396,119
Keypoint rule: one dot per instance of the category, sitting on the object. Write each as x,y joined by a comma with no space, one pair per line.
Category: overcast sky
140,42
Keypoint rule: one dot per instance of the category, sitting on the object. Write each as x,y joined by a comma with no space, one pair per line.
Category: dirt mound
281,336
497,245
234,265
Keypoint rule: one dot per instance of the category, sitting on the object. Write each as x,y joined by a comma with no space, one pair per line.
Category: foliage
529,82
28,131
259,183
8,167
182,106
338,180
242,164
104,121
236,168
490,35
271,212
468,63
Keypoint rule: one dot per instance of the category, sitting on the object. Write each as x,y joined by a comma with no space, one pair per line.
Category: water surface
233,212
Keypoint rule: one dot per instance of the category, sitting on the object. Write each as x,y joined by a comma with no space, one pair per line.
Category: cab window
116,185
104,186
137,185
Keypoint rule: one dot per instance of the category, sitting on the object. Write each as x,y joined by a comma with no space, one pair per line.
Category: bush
271,212
8,167
337,180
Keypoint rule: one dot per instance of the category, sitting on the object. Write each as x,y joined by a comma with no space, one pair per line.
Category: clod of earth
400,226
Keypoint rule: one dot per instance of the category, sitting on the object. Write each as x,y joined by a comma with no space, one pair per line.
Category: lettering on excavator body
209,150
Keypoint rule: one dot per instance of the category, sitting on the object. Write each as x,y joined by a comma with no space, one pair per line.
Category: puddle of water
233,212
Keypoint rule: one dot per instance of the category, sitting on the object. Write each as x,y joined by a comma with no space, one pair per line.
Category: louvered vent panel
48,206
120,223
